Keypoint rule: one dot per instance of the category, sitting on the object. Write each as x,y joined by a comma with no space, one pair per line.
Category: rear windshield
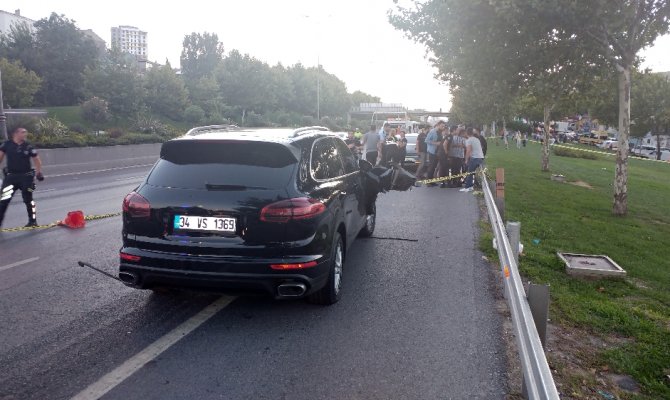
207,164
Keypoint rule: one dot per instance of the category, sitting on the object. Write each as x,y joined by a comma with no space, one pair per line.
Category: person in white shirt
474,157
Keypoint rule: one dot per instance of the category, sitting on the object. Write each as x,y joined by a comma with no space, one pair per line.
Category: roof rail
204,129
309,129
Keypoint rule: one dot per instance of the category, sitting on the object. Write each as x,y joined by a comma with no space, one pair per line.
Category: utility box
592,266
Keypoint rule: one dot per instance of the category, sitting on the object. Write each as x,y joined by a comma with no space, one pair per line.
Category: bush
51,127
52,142
563,152
255,120
30,123
217,119
194,114
308,120
139,138
78,128
115,133
95,110
149,125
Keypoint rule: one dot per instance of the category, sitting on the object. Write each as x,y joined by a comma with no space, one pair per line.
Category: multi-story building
129,39
7,20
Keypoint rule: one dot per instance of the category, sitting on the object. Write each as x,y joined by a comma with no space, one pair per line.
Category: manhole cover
591,265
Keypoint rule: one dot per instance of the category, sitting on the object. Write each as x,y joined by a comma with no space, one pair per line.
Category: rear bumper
232,275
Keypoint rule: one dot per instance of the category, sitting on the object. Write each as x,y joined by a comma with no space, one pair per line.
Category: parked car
593,139
248,211
411,156
609,144
643,151
665,154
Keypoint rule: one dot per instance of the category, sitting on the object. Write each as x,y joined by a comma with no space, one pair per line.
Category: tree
650,106
165,92
474,50
490,55
63,53
619,30
194,114
359,97
116,80
201,55
19,45
246,82
19,85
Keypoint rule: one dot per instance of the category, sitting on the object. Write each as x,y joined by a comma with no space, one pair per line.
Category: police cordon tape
58,223
598,152
447,178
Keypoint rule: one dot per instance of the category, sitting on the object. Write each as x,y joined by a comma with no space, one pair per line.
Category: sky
350,38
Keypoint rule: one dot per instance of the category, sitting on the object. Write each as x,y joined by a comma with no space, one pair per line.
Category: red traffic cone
74,220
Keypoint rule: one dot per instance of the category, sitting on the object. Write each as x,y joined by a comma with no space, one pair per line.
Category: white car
643,151
609,144
665,155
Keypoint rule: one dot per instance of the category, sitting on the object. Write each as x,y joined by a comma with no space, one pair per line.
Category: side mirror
364,165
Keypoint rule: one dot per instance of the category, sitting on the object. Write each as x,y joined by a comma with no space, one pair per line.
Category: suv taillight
292,209
136,206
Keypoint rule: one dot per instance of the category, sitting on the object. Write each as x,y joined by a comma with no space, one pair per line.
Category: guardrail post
514,235
500,191
538,300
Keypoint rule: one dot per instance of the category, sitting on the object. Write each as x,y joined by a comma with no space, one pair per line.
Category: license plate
209,224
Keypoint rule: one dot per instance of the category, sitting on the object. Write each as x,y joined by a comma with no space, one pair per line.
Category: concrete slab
588,265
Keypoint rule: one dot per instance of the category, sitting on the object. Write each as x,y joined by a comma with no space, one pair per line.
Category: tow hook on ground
85,264
393,238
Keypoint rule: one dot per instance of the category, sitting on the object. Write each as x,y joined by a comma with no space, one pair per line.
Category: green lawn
71,115
566,217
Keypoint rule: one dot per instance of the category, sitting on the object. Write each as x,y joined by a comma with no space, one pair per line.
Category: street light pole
318,89
3,118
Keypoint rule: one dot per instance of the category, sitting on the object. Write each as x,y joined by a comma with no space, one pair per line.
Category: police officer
19,174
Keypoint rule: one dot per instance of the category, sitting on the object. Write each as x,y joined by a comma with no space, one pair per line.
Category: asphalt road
417,319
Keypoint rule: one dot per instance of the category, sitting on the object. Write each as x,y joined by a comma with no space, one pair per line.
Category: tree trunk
620,206
545,142
658,145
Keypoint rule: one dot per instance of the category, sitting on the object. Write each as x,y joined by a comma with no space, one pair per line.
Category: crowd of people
443,151
455,151
383,147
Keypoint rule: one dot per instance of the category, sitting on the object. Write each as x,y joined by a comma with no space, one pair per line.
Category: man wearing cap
19,174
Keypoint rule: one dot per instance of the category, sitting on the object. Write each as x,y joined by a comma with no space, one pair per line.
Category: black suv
248,211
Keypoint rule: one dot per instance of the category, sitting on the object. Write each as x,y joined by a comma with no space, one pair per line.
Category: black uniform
19,175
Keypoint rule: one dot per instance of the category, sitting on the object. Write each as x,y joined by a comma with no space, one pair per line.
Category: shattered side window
326,161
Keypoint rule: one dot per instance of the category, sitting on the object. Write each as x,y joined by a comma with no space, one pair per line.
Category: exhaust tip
287,290
129,278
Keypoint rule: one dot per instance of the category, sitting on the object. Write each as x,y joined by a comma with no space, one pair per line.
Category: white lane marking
100,170
133,364
18,263
129,178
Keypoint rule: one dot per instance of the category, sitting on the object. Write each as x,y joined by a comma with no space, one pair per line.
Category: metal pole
514,234
318,89
538,299
3,118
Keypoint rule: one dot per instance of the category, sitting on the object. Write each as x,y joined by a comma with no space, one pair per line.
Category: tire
331,293
370,223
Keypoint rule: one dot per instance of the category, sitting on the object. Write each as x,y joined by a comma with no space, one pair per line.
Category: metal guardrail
539,383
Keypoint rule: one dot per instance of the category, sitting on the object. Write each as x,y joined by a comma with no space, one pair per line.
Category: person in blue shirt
433,140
